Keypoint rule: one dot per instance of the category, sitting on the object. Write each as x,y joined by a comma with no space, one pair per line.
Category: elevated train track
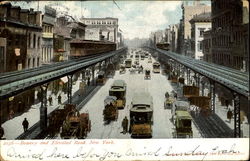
12,83
233,79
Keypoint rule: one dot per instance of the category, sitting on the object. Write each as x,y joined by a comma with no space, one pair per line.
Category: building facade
49,18
20,33
20,40
188,11
120,39
199,24
207,46
34,50
61,41
174,33
229,33
101,29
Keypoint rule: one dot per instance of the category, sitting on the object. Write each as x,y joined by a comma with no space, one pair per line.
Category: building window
34,41
17,40
201,30
1,53
38,42
34,60
29,40
199,46
28,63
38,62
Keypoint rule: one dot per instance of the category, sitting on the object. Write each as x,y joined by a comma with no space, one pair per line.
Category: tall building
20,38
62,38
174,40
229,33
199,24
188,11
101,29
20,48
207,46
49,19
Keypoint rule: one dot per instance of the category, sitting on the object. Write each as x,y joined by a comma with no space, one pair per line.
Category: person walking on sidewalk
1,132
88,81
229,115
59,99
125,125
25,124
50,100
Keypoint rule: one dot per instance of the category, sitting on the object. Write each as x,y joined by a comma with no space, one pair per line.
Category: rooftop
203,17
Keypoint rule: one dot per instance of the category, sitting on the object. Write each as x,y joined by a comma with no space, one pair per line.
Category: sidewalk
13,127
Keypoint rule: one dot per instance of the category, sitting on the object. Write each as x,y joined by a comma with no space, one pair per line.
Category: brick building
20,41
207,46
230,33
20,33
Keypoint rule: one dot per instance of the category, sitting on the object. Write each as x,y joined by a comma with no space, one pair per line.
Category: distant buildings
199,24
220,38
101,29
20,38
174,37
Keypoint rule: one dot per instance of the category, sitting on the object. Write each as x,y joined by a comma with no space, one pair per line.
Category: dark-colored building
228,30
20,32
20,40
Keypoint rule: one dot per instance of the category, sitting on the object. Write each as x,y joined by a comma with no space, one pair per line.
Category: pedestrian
229,115
175,95
50,100
227,103
1,132
59,99
25,124
125,125
11,114
166,95
141,67
88,81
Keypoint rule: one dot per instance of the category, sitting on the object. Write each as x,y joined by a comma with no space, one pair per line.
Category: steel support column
93,74
83,74
178,72
183,71
188,76
100,66
202,88
70,84
212,95
43,107
195,79
237,124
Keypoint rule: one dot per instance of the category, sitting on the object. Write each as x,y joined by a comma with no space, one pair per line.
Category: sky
136,18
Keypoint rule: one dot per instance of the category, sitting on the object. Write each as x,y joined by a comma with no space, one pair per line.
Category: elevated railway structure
13,83
234,80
